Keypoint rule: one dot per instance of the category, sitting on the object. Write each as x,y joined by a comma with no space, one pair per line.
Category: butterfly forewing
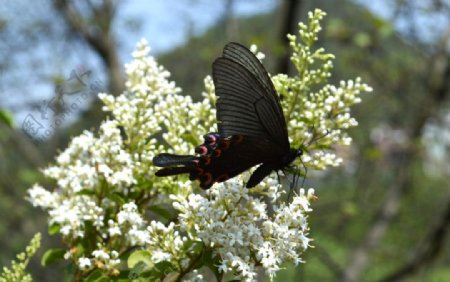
241,55
236,112
247,103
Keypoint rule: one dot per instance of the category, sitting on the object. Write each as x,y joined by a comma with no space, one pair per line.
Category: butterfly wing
251,125
247,101
240,54
167,160
232,156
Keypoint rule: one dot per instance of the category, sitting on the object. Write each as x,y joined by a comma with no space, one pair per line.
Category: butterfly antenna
315,139
306,172
297,177
304,177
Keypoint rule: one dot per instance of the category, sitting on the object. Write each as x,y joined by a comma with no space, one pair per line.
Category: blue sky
164,23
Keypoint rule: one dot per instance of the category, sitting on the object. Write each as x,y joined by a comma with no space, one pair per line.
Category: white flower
138,237
40,197
129,215
110,260
159,256
101,254
84,263
114,231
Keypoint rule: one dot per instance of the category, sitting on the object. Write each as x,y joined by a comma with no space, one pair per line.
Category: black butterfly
251,126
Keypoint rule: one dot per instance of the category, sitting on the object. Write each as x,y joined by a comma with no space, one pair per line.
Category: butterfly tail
169,171
168,160
175,164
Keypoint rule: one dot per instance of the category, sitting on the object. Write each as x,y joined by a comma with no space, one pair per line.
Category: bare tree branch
429,250
231,24
27,149
360,257
438,90
98,36
289,10
329,261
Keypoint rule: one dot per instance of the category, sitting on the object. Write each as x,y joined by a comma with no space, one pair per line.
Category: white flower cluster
101,259
86,173
316,120
152,105
89,161
106,191
166,243
96,175
237,226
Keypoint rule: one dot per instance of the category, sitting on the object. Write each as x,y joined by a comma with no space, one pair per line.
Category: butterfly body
251,126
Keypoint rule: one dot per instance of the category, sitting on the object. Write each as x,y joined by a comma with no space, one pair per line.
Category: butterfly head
298,152
293,154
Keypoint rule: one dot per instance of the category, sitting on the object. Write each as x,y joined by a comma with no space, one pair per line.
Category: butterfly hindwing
232,156
242,153
167,160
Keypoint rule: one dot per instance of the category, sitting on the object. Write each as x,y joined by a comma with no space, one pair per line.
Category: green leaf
209,261
190,138
97,276
54,229
161,269
138,270
87,192
142,272
143,267
161,211
362,39
6,118
193,247
117,198
51,256
139,256
125,275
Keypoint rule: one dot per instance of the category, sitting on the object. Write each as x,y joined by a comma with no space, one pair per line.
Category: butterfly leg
306,172
295,178
291,187
278,176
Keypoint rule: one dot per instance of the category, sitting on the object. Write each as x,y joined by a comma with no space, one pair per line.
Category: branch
99,38
328,260
438,90
384,216
429,250
18,140
76,22
289,10
191,266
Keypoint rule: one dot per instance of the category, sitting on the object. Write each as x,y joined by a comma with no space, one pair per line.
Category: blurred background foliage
383,216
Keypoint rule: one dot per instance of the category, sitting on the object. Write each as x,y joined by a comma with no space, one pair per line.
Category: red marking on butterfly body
217,153
222,178
206,180
225,144
202,150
